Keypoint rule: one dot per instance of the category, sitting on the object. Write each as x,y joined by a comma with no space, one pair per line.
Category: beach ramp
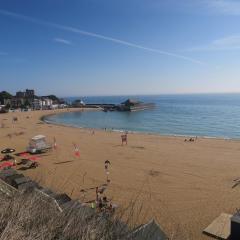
220,228
21,180
58,199
149,231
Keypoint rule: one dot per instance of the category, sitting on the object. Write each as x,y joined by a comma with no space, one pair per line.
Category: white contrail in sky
61,40
95,35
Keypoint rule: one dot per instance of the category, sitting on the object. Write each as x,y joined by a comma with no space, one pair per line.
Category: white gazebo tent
37,144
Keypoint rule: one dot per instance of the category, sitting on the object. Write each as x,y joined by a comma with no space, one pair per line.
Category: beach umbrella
24,154
8,150
34,158
6,164
7,157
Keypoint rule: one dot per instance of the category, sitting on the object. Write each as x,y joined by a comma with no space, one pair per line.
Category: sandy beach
183,185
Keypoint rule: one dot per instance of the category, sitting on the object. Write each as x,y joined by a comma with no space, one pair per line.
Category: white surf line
95,35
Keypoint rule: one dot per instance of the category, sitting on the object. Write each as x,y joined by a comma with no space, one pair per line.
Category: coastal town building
7,101
28,100
20,94
17,102
37,104
20,100
46,103
30,93
42,103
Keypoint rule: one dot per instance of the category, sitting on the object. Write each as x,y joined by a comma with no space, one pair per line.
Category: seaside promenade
183,185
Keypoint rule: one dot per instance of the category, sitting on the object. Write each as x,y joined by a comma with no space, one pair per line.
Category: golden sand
180,184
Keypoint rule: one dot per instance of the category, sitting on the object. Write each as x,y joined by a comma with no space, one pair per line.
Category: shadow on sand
62,162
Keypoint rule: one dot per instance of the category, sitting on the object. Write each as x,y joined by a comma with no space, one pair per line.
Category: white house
37,104
47,103
54,106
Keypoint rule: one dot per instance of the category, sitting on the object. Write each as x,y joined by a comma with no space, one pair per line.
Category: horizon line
130,94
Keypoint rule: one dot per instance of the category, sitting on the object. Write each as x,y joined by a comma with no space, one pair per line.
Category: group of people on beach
190,139
102,203
124,137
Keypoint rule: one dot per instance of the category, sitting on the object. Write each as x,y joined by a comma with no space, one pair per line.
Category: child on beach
106,165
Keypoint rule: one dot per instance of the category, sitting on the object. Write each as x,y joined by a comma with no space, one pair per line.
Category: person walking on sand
124,138
14,119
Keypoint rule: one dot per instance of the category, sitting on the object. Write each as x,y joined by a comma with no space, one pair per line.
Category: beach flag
54,143
76,150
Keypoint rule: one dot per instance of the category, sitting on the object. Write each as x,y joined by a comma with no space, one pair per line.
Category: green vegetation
4,95
28,216
53,98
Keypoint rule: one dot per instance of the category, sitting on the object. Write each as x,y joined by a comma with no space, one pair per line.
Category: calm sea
213,115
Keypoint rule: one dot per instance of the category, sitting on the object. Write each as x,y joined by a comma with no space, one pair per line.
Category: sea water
213,115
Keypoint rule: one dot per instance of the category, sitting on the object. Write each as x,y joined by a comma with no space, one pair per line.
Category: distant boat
134,105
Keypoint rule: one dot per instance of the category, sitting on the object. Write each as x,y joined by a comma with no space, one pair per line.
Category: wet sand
180,184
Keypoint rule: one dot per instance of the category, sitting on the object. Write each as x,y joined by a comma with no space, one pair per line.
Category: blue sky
115,47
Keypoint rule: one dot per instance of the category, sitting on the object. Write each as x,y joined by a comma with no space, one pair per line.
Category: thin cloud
95,35
63,41
227,7
221,44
